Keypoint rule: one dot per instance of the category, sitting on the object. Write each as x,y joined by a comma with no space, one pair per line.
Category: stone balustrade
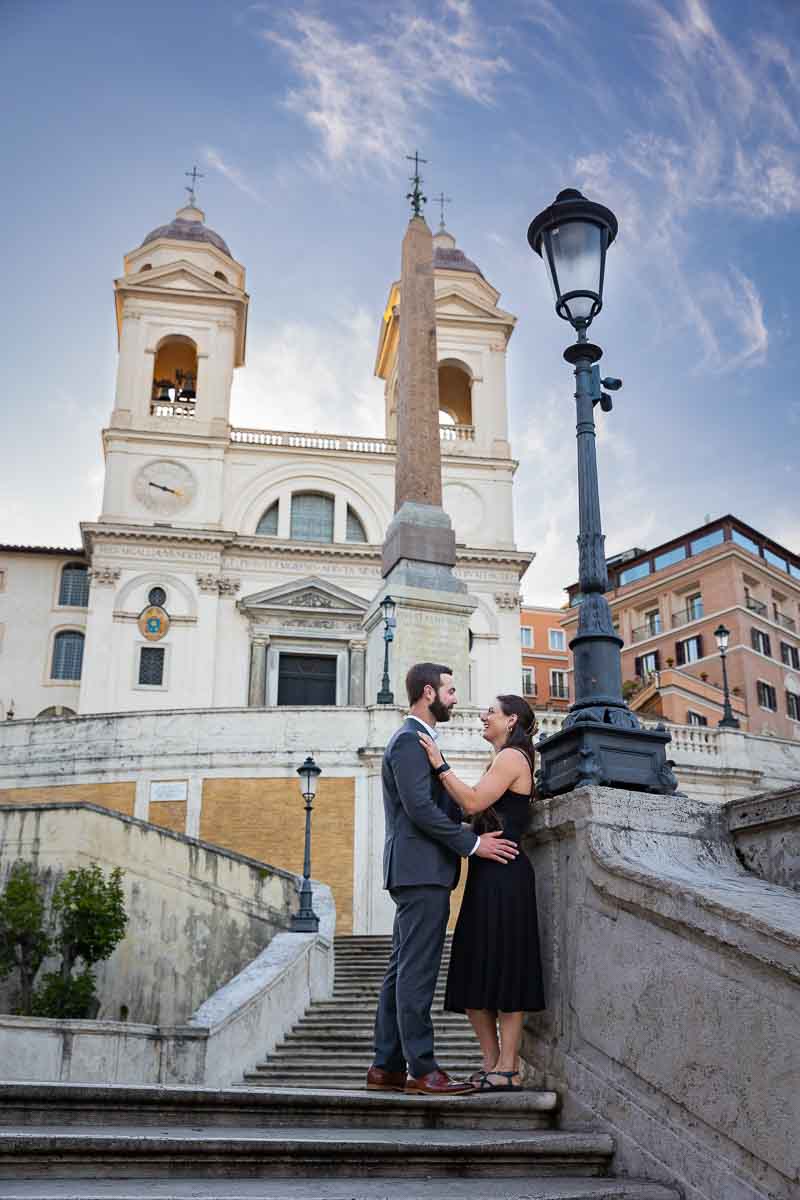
342,444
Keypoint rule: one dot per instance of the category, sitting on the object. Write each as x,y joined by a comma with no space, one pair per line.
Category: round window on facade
157,596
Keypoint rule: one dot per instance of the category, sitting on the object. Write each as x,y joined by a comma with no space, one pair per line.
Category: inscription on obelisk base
419,550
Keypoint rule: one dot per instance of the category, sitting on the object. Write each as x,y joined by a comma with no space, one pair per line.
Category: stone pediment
312,601
180,276
456,302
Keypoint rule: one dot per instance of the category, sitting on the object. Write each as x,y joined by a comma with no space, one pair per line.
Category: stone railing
672,979
330,441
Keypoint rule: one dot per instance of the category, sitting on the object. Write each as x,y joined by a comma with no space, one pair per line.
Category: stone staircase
326,1138
333,1043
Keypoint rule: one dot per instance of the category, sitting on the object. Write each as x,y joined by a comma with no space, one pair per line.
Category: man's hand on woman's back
494,846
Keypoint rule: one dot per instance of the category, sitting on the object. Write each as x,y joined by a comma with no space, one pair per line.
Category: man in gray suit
425,842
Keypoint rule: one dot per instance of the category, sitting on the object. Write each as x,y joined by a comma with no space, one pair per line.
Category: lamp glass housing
389,608
309,774
572,236
723,637
574,253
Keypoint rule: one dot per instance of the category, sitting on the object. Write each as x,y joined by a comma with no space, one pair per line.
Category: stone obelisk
419,550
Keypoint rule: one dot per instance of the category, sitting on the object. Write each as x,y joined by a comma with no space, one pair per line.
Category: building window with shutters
312,517
67,655
790,656
526,636
647,664
767,696
73,590
528,685
557,639
760,642
695,718
559,688
152,660
793,706
689,650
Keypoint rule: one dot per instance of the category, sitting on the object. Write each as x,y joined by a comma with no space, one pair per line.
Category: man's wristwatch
445,766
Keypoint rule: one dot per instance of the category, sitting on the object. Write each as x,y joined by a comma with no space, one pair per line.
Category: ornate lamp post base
595,752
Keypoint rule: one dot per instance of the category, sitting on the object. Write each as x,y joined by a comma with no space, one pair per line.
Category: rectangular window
694,606
652,621
557,639
669,557
528,686
793,706
775,559
767,696
650,662
689,650
151,666
747,543
558,685
794,570
760,642
526,635
707,541
790,656
694,718
306,679
637,572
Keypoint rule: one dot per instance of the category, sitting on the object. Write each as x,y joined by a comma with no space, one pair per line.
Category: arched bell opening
455,394
175,377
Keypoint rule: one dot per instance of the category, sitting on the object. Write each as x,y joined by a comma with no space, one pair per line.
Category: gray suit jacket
425,839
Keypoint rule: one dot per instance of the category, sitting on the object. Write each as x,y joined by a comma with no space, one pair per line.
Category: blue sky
682,115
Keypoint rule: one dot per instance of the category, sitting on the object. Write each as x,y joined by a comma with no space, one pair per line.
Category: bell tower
181,312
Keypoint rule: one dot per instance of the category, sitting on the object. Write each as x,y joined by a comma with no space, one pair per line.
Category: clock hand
162,488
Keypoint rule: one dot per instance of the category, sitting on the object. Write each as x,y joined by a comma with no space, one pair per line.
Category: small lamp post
385,695
729,721
602,741
306,920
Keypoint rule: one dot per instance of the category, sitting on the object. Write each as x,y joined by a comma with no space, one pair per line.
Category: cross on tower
415,195
194,175
441,200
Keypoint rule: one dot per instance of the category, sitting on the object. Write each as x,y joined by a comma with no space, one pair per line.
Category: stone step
334,1064
194,1188
141,1151
264,1106
325,1036
361,1020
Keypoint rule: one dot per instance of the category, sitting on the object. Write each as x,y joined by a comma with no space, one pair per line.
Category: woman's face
495,722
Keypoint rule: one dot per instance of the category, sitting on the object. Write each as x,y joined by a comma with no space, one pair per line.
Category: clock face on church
165,486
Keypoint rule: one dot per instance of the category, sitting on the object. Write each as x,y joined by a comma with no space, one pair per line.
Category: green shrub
24,943
73,997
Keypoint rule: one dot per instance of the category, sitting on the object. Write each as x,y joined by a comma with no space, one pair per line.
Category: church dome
448,257
188,226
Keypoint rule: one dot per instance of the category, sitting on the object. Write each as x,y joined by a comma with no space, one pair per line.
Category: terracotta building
666,604
545,657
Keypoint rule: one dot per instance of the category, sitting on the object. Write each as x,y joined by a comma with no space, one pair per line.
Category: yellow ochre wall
119,796
265,819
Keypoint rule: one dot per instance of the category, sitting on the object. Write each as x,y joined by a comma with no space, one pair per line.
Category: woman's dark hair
519,738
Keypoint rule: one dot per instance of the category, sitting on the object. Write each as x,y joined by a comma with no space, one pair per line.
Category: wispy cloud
233,174
362,95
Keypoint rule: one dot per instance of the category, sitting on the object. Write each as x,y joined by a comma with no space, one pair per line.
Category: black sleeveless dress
495,961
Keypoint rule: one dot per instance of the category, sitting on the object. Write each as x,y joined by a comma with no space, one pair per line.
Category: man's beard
439,711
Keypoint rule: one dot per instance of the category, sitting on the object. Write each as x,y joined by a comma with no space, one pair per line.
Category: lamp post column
596,647
729,721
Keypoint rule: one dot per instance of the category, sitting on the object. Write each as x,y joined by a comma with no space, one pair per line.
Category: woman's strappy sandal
485,1084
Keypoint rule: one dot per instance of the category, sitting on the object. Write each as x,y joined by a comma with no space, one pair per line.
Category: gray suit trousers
403,1026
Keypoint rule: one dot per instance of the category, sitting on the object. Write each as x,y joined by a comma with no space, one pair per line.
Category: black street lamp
602,741
385,695
729,721
305,920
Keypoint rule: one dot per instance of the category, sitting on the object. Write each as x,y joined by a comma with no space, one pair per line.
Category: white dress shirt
432,733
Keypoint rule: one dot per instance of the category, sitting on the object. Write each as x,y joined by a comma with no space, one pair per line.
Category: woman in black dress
495,971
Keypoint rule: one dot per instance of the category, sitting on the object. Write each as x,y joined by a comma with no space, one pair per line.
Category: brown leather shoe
379,1080
438,1083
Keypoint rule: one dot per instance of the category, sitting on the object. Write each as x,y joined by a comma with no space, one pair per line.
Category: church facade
236,567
